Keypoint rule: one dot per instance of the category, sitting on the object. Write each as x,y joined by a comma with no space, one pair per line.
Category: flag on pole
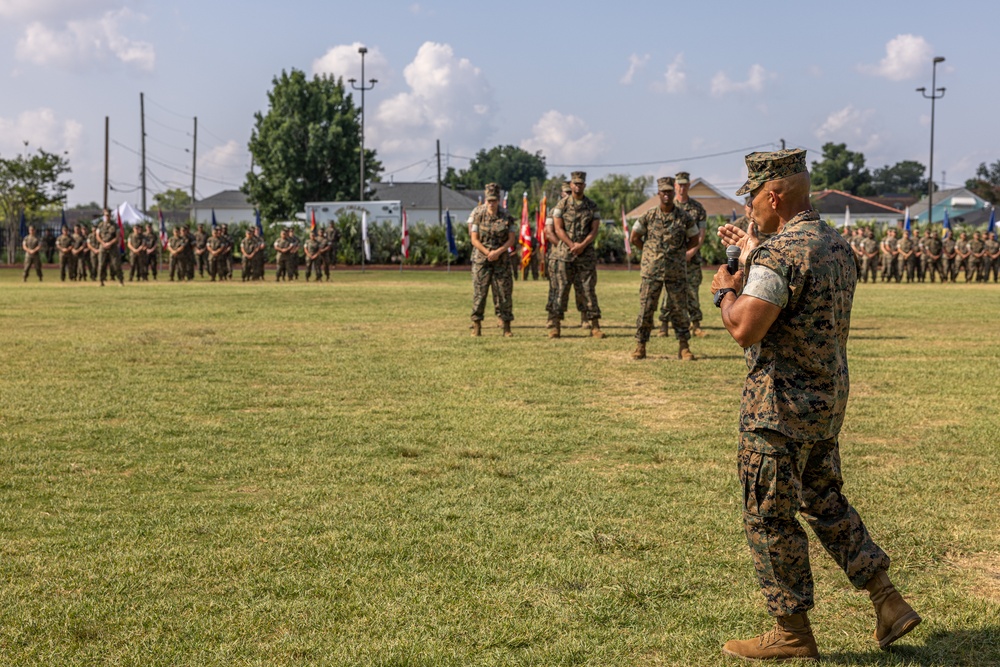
525,236
24,225
847,216
503,205
480,200
121,231
405,241
364,235
946,223
312,220
63,226
628,242
540,226
163,228
906,221
213,220
991,227
260,227
449,232
733,218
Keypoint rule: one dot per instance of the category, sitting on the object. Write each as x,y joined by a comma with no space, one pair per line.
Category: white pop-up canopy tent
130,215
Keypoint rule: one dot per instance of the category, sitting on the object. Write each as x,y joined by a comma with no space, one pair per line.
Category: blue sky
596,84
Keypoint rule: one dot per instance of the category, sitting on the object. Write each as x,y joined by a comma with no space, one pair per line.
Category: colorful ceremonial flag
364,236
906,220
990,228
63,226
946,223
121,231
540,226
525,237
260,227
405,241
628,242
163,227
24,225
449,232
847,216
312,220
504,203
213,220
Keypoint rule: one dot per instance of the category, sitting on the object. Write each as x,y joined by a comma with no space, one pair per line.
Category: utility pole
782,144
142,129
936,94
362,88
106,126
440,196
194,171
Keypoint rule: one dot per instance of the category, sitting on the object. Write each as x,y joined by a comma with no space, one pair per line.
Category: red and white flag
540,225
406,237
525,236
628,243
121,231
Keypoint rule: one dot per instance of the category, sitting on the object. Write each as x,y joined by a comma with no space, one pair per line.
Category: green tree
307,146
906,177
505,165
841,169
172,200
615,191
986,184
30,183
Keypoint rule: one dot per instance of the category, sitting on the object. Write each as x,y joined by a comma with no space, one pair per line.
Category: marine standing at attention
493,233
790,309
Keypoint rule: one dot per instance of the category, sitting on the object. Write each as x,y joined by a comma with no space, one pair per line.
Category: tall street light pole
362,88
936,94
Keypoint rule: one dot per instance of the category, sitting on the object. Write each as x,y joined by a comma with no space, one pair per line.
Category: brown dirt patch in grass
984,573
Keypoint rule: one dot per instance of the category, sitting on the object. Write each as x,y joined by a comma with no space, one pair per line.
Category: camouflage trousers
496,276
110,261
33,262
314,265
868,266
649,299
934,267
67,266
551,306
581,275
984,268
175,268
889,268
947,268
782,477
693,286
153,263
908,268
202,261
137,266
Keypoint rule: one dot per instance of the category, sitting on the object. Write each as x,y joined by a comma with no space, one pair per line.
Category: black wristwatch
721,294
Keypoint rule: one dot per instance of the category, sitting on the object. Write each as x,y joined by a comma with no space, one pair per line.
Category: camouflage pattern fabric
176,243
933,266
949,269
152,243
201,256
868,264
781,476
890,247
576,271
907,261
989,262
136,257
313,247
797,382
664,266
649,299
109,260
978,249
33,261
771,166
214,244
67,261
694,273
494,231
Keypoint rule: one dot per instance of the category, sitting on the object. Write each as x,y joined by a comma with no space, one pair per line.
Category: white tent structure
130,215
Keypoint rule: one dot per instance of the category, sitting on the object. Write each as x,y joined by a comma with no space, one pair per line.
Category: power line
647,163
164,125
173,113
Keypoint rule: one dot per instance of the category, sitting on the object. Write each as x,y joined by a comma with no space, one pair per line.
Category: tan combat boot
595,328
499,323
477,329
664,330
790,639
684,354
554,330
893,616
639,352
697,330
507,333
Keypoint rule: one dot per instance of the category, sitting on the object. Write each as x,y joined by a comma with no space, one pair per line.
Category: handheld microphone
733,259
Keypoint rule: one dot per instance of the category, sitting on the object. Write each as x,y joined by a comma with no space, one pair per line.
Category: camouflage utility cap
492,191
578,177
683,177
770,166
665,183
567,188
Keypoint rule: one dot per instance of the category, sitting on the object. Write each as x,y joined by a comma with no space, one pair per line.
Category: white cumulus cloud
344,61
564,139
448,98
42,130
906,56
635,63
851,126
674,79
226,162
756,78
39,10
85,42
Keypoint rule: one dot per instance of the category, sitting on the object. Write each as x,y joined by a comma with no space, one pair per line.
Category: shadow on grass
944,648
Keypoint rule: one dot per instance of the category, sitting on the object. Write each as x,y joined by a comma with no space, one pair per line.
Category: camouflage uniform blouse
798,381
578,219
493,230
665,239
107,231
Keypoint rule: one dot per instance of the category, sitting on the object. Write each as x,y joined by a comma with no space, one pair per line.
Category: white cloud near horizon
756,78
225,162
448,98
635,63
906,57
564,139
344,61
851,126
674,79
42,130
85,42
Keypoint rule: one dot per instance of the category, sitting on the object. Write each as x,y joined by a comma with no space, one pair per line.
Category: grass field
299,474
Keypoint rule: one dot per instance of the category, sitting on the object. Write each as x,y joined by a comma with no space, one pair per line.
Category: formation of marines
94,253
902,255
